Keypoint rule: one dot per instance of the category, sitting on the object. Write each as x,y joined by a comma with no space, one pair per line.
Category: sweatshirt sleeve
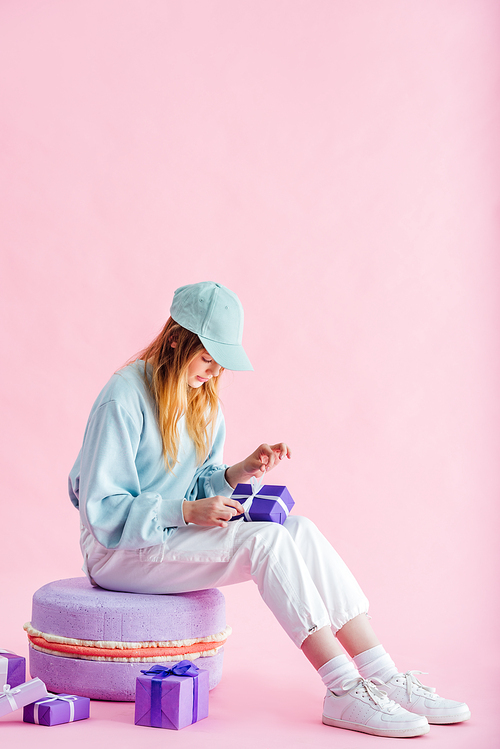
112,506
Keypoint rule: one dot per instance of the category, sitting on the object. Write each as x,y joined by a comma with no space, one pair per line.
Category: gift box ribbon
183,668
249,498
69,698
9,693
4,667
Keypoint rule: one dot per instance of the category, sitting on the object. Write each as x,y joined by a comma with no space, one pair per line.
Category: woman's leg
197,558
360,641
201,558
337,586
300,576
356,637
321,647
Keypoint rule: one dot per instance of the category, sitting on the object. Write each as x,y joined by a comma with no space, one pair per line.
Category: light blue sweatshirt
127,498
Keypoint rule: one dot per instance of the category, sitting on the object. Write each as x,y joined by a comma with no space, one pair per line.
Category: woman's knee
298,525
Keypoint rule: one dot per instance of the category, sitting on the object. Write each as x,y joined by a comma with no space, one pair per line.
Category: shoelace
412,682
378,696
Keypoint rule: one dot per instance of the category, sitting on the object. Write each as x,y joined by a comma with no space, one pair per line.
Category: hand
265,458
214,511
262,460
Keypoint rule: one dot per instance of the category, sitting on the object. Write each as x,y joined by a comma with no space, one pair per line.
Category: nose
214,368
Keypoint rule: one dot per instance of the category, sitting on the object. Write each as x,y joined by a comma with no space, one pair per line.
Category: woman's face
202,369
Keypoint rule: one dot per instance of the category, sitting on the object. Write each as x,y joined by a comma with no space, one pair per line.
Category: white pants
300,576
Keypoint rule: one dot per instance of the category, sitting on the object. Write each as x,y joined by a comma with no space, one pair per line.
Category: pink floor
270,696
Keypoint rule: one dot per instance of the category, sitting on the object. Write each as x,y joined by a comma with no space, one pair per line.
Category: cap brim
229,356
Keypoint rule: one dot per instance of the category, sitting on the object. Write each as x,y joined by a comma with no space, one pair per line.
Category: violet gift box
270,504
56,709
16,697
171,697
12,669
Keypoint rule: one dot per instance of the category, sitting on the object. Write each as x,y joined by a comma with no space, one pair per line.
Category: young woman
155,501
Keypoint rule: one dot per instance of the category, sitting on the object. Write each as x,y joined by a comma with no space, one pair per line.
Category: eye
207,361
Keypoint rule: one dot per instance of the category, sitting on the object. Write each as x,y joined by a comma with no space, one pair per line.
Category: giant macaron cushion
94,642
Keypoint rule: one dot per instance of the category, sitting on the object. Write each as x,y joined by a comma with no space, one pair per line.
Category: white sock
375,662
336,671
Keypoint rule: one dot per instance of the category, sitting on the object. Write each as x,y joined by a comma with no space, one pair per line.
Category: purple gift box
12,698
56,709
171,697
271,504
12,669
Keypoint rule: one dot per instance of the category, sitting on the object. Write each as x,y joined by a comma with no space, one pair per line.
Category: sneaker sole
441,720
395,733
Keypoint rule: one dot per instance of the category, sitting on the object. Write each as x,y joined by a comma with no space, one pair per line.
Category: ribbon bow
69,698
256,485
8,692
182,668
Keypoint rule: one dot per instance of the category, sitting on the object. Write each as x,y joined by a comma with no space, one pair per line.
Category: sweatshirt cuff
219,483
170,513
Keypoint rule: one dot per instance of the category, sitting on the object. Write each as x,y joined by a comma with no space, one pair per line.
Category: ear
173,344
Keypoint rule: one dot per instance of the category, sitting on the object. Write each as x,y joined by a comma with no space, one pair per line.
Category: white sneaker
410,693
363,707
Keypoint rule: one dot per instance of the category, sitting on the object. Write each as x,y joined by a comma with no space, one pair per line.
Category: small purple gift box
171,697
12,669
267,503
12,698
56,709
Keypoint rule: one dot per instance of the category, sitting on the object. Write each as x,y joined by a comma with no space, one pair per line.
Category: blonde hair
167,383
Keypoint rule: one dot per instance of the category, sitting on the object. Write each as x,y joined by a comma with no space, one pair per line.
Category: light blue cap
215,314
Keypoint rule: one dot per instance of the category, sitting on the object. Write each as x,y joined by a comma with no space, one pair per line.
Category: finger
224,515
234,503
265,453
264,462
273,460
282,450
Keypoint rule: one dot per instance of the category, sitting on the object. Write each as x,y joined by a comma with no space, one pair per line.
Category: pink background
336,163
